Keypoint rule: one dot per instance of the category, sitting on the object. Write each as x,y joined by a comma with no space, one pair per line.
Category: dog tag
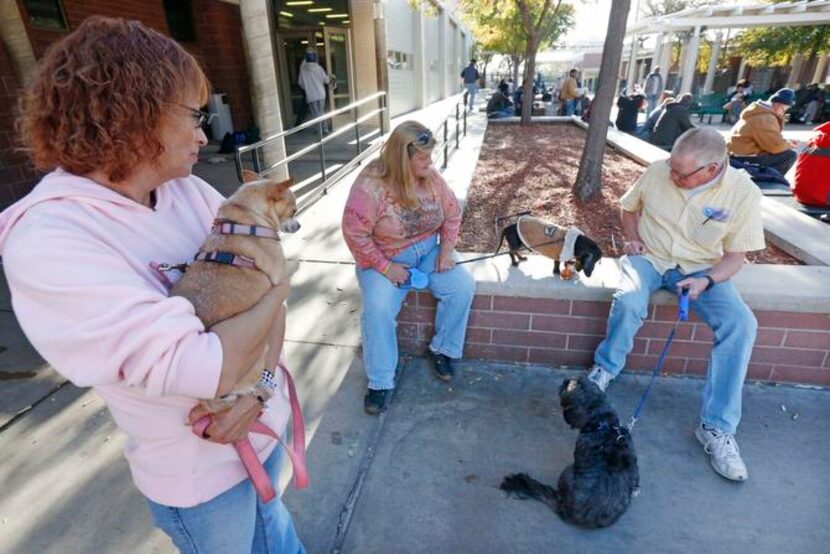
417,280
683,305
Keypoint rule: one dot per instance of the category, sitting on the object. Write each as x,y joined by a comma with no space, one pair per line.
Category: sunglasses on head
423,138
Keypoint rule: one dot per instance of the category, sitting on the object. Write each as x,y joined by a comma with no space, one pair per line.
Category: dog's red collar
224,227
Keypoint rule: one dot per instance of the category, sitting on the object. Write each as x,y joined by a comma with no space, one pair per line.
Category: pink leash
259,477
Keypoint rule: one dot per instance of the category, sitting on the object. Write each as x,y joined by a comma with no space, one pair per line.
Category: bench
709,105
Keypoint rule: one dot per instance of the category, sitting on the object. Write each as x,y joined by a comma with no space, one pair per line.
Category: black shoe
442,366
375,400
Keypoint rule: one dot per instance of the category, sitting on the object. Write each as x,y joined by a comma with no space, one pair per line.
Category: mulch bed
533,168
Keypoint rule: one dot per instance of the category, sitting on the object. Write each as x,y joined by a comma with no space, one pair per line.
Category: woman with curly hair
401,214
113,116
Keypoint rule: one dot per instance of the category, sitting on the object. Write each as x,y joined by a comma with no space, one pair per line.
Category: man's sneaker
375,400
442,366
600,377
723,452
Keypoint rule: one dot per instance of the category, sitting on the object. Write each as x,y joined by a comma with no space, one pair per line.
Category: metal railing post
322,152
382,107
356,131
257,164
465,123
456,124
446,145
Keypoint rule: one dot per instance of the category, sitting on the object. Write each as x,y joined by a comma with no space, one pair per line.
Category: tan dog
219,290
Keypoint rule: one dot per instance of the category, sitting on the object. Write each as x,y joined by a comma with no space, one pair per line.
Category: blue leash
683,315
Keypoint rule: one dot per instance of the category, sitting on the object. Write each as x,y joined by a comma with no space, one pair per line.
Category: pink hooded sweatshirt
76,257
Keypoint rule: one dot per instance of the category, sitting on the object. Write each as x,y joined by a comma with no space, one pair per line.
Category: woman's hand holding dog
231,425
397,273
445,261
634,248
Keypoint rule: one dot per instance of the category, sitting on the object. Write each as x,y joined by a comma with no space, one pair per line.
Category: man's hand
444,261
634,248
231,425
696,286
397,273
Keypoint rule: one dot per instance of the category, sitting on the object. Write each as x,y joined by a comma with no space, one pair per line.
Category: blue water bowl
417,280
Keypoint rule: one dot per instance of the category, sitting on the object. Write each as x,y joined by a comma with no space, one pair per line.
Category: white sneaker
600,377
723,452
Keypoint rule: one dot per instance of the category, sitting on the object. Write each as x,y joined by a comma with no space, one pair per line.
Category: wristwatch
711,282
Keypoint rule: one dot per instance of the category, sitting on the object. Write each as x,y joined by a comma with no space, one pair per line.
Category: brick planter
791,347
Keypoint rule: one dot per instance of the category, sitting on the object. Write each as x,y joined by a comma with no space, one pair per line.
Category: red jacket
812,170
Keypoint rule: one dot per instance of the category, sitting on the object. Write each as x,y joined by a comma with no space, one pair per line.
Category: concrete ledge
789,288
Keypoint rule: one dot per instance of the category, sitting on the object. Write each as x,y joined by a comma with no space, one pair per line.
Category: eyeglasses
675,175
199,117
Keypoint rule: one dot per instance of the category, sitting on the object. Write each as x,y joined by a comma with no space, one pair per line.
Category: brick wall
16,175
790,347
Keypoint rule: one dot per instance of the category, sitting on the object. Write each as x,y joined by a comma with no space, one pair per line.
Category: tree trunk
589,178
527,85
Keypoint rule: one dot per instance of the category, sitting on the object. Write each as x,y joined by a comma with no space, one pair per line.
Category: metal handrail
318,121
443,129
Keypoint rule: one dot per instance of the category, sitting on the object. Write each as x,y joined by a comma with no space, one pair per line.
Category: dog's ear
249,176
588,261
276,189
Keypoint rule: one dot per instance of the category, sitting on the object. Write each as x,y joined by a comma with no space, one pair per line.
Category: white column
442,51
689,62
741,69
420,59
258,34
818,74
666,54
713,64
657,56
797,62
631,79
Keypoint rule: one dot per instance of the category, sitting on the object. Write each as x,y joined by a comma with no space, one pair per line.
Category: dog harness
546,238
220,227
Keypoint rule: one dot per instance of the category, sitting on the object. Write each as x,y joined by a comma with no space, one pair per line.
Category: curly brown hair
99,97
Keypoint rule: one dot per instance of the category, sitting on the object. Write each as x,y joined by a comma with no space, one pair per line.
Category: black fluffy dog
597,488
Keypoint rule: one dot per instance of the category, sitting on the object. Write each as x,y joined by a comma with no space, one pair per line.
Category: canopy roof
721,16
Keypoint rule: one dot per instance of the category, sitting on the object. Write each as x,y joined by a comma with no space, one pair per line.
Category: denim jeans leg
382,301
734,327
229,523
570,107
454,290
472,89
628,310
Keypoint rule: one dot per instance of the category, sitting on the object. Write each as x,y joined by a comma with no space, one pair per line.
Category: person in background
112,115
499,104
401,214
569,92
758,136
653,88
813,104
470,77
628,109
645,130
736,103
674,121
689,222
811,185
313,79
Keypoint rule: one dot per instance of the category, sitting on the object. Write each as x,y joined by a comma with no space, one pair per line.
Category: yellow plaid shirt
694,231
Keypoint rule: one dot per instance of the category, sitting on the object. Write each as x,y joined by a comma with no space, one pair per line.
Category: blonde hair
393,164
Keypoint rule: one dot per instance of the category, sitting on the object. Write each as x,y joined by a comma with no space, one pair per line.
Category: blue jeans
570,106
382,301
721,308
652,101
472,89
507,112
234,522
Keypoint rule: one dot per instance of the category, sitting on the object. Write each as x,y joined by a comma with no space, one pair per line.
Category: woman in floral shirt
402,214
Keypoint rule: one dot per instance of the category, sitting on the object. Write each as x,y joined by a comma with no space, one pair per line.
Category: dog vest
546,238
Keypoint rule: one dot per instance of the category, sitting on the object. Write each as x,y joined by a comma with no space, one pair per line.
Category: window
180,20
46,14
399,60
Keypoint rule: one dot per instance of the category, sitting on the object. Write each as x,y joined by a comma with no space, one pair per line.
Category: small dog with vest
598,487
568,247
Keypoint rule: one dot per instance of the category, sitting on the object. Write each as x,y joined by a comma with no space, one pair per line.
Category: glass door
338,63
293,46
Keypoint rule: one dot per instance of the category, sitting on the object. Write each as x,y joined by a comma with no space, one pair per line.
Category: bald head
704,144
